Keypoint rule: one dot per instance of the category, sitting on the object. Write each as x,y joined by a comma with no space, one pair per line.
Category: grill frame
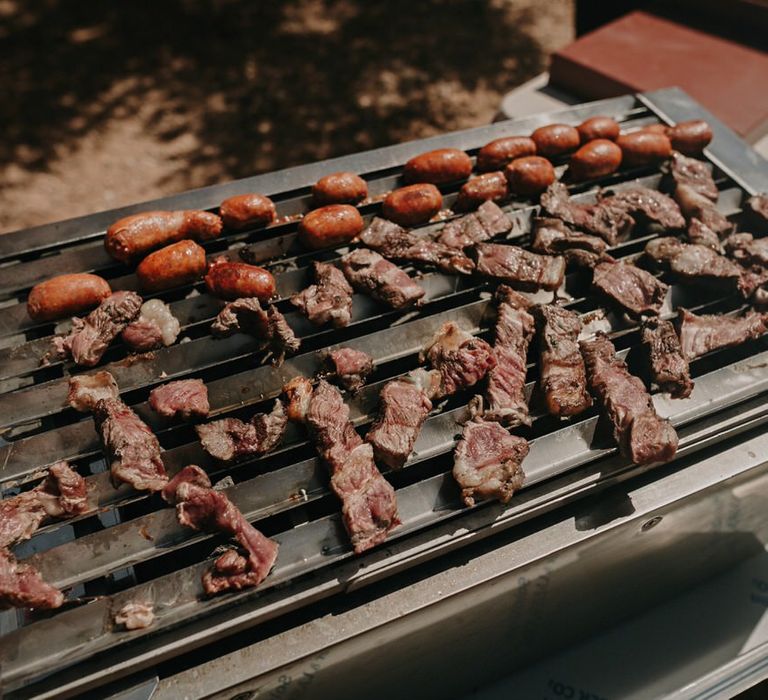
728,152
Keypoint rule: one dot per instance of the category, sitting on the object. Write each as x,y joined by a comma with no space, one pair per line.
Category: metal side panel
509,602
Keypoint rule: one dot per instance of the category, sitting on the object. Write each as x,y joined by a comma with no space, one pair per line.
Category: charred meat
563,379
370,273
669,367
461,359
488,221
22,586
696,206
701,234
200,507
552,236
488,461
692,173
403,408
747,249
350,367
329,300
184,398
693,263
62,494
232,438
85,390
644,205
519,267
702,334
641,434
394,242
636,291
131,447
298,393
90,337
368,503
506,381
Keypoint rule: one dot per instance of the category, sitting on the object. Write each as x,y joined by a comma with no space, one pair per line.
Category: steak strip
641,434
329,300
638,292
669,367
519,267
485,223
702,334
370,273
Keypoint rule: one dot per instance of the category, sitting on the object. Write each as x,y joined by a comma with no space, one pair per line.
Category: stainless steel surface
137,540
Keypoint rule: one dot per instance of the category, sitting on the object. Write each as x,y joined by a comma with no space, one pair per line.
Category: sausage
656,129
594,159
480,189
66,295
232,280
644,148
555,140
438,167
412,205
245,210
340,188
496,154
598,128
529,176
177,264
330,226
691,137
134,236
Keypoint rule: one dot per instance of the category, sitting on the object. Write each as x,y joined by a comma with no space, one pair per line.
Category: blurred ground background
108,103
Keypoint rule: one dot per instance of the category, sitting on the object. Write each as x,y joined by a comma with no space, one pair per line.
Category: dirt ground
116,102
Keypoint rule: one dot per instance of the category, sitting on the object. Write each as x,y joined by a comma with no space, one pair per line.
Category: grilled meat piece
393,241
747,249
298,392
231,438
563,378
702,334
62,494
368,503
371,274
131,447
329,300
142,336
693,263
641,434
461,359
184,398
487,462
644,204
636,290
669,368
135,616
86,389
155,326
350,367
552,236
609,223
520,267
756,213
693,173
696,206
202,508
488,221
506,381
91,336
584,259
22,586
701,234
247,316
403,408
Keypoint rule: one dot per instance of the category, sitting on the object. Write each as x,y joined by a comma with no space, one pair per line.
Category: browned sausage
529,176
480,189
66,295
245,210
598,128
555,140
691,137
232,280
176,264
496,154
656,129
644,148
438,167
134,236
594,159
412,205
330,226
340,188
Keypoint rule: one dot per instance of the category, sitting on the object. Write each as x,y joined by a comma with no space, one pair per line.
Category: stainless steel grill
133,548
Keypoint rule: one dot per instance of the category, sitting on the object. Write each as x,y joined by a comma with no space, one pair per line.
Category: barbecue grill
442,576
